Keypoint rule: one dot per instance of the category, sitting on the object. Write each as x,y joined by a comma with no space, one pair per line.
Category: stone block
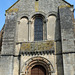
66,18
59,63
16,66
67,32
58,47
69,63
6,65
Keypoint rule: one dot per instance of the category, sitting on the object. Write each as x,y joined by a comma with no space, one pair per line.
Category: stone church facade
38,38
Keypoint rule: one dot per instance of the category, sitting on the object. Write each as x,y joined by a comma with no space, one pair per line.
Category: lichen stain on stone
34,46
13,10
63,6
36,6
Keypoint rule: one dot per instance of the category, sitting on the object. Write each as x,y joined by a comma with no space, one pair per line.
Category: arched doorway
40,64
38,70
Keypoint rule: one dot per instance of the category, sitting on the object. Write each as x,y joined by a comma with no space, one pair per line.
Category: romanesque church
38,38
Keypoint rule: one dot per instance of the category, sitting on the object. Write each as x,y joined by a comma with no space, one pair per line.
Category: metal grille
38,29
38,70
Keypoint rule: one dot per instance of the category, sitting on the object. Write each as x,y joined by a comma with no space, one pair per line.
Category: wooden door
38,70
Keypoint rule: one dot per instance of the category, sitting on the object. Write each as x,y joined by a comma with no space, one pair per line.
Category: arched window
38,28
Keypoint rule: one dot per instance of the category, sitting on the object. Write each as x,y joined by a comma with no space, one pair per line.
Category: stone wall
1,36
26,61
67,37
8,48
9,35
10,61
6,65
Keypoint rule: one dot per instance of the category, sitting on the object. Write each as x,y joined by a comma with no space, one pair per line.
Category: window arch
23,29
38,28
51,24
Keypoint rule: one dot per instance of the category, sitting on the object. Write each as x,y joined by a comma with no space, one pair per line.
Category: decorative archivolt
38,60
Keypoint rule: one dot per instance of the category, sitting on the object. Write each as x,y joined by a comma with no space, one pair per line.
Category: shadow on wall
0,41
1,36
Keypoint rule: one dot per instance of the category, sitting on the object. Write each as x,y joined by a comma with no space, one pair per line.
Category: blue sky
5,4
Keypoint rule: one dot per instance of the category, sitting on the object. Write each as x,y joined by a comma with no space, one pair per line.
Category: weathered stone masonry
20,53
